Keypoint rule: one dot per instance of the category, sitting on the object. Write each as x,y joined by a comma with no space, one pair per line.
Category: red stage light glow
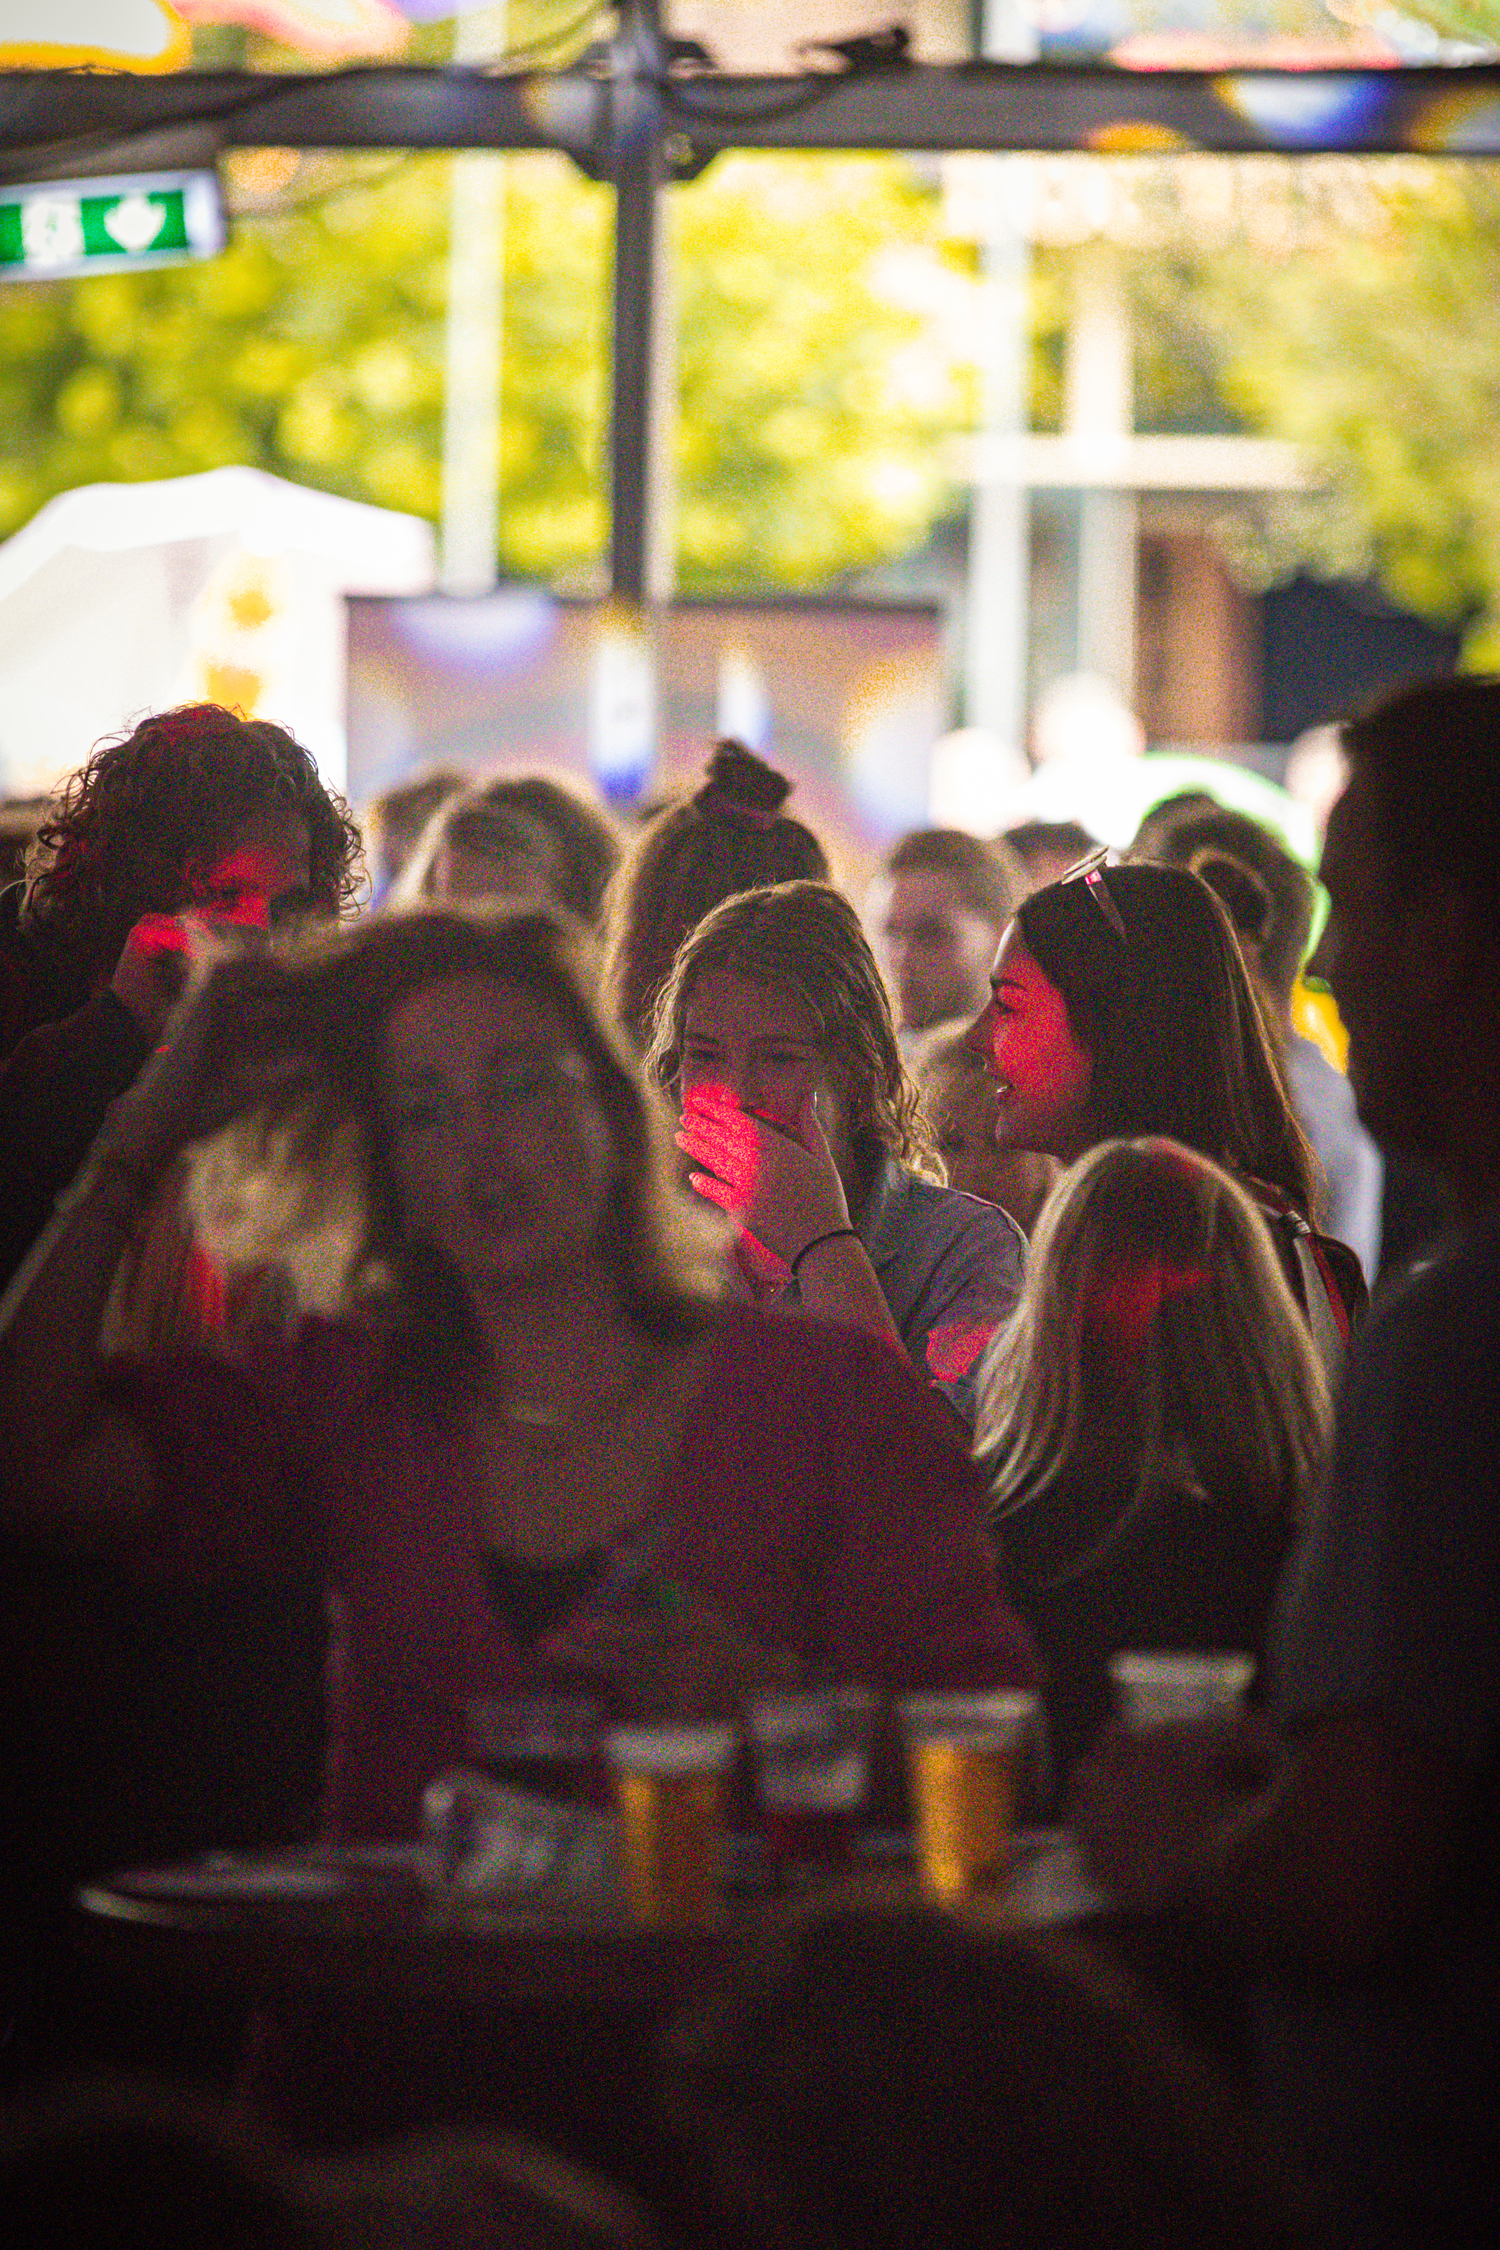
953,1348
1123,1301
718,1133
238,889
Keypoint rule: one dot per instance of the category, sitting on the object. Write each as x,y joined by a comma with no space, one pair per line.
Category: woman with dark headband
1119,1005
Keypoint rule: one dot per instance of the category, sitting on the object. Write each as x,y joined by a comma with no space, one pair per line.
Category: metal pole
996,639
1100,403
997,630
639,557
469,546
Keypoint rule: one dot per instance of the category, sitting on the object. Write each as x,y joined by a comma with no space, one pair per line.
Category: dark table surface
374,2011
364,1919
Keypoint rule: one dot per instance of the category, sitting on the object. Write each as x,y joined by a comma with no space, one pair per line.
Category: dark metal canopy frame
641,109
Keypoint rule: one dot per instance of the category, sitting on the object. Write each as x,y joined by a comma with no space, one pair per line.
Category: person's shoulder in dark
14,945
1453,1285
324,1369
17,965
1417,1214
770,1347
33,990
1427,1355
923,1228
1342,1271
1171,1537
956,1216
343,1356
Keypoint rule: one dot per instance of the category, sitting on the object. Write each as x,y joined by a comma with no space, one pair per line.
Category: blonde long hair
1155,1342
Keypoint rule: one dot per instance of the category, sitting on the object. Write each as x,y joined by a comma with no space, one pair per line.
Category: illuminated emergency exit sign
64,227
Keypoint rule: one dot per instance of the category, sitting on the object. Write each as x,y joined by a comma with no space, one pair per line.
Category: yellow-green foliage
812,401
1378,352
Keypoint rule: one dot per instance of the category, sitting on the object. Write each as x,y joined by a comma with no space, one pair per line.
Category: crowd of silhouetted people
946,1279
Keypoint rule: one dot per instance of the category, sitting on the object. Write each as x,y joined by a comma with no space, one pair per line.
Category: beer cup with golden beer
964,1754
668,1785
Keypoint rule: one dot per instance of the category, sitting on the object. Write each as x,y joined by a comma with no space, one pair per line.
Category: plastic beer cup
668,1787
812,1760
1153,1685
964,1755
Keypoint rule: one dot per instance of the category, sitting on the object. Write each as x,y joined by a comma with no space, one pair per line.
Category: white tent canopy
118,599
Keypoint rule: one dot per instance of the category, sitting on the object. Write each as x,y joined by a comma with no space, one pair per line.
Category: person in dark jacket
195,811
139,1729
1360,1875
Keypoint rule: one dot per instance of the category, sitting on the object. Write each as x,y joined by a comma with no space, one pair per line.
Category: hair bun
1241,890
742,785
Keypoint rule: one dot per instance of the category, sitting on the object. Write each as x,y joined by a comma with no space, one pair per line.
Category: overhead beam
59,121
79,117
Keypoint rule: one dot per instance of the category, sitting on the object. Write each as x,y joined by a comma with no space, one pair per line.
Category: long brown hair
340,992
485,822
1155,1341
1175,1037
731,835
806,939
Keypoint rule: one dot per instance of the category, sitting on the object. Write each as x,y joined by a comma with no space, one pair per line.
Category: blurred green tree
815,373
823,323
1376,349
823,330
1477,22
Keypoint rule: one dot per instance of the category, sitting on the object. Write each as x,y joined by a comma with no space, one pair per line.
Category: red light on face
954,1348
238,888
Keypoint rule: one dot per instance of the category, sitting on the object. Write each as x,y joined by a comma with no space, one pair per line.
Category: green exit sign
63,227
